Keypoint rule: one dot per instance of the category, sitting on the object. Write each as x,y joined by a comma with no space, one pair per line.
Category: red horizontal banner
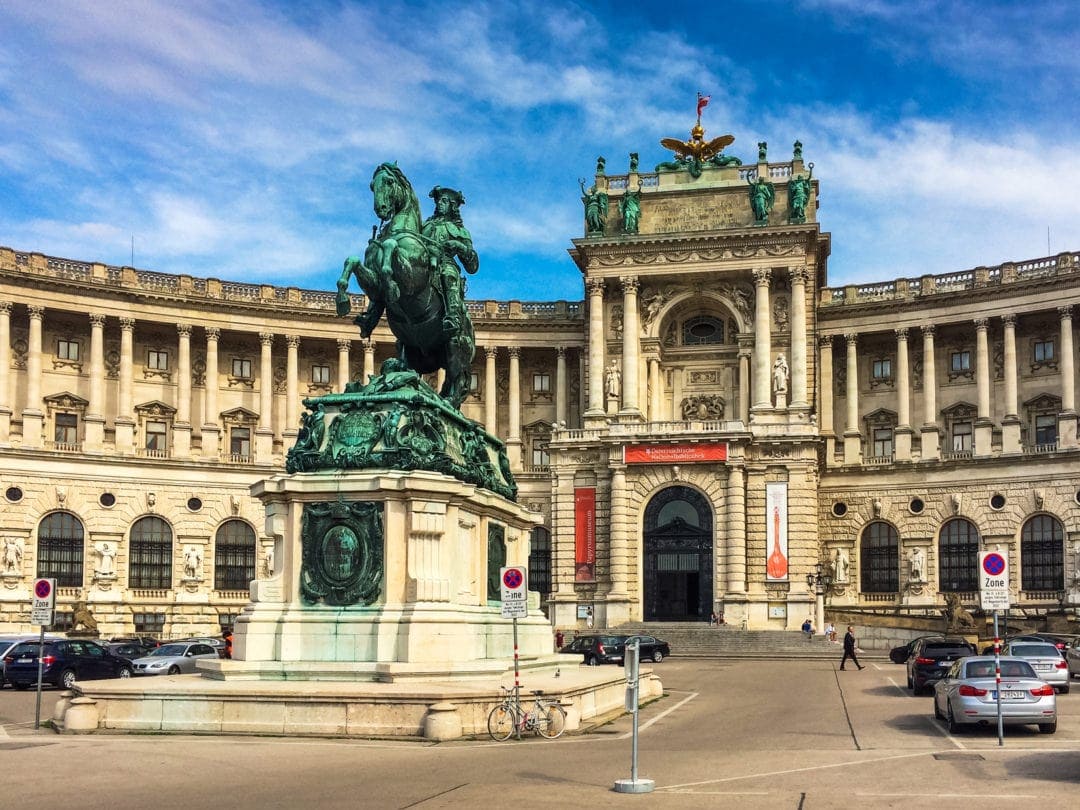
674,453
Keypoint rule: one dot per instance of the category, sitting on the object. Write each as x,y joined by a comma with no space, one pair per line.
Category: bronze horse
399,275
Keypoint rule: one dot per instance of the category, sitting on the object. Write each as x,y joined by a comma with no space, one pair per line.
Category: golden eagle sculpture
694,153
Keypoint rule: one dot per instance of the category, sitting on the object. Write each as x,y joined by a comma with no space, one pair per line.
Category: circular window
839,509
916,506
1077,498
997,501
13,494
194,504
107,499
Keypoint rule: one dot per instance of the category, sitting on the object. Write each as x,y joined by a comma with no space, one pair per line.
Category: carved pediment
239,416
960,410
1043,402
66,401
156,408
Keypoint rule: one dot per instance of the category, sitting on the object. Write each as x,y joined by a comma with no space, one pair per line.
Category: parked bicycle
544,717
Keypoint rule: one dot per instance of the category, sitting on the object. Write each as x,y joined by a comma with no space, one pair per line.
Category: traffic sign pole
997,678
40,655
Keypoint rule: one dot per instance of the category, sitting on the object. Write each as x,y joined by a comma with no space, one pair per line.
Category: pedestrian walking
850,648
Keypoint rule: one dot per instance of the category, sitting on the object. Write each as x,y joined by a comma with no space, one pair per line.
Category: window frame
64,348
150,554
62,554
235,555
958,556
879,558
157,359
1042,554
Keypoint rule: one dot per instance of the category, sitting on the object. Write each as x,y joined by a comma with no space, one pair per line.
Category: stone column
181,429
931,444
596,347
6,404
1067,418
369,360
343,346
631,347
903,398
799,276
984,425
560,385
513,434
264,433
292,386
745,354
736,531
654,389
618,564
125,410
94,421
33,417
491,423
211,432
852,435
1010,422
825,403
762,341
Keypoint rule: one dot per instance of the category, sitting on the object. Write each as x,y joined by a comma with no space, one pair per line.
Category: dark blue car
63,663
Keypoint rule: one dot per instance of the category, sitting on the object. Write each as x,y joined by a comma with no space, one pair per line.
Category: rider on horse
445,228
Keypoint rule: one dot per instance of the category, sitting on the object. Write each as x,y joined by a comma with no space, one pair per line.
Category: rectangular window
157,436
151,623
542,383
540,457
1046,429
882,369
240,441
1044,351
960,361
961,437
149,564
241,368
474,381
67,350
320,375
157,360
883,442
67,428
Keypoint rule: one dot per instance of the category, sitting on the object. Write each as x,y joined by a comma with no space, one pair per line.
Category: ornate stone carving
342,553
703,408
780,314
616,320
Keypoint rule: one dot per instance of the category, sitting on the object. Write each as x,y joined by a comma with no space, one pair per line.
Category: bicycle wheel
550,720
501,722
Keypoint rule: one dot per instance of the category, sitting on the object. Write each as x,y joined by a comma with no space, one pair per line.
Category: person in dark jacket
849,648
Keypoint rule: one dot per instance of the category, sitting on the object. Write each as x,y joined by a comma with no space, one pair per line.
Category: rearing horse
399,275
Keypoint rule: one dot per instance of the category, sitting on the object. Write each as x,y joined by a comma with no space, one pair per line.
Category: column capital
491,352
595,286
1009,321
368,344
97,319
127,324
266,338
901,334
212,333
762,276
514,351
344,344
825,341
928,330
799,274
37,312
981,324
1065,313
292,341
560,351
630,283
5,306
184,330
852,339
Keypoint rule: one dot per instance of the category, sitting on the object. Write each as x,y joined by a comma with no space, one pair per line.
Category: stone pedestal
414,600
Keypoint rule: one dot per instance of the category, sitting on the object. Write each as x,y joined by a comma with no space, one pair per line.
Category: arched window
234,556
540,561
879,559
958,556
702,330
1042,554
60,549
150,560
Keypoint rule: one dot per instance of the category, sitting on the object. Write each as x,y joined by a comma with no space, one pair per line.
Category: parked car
1045,659
127,649
149,642
652,648
64,661
174,658
968,695
217,643
931,658
900,655
1072,660
6,643
598,649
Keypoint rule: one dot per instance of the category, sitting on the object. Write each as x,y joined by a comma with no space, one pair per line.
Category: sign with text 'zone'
994,580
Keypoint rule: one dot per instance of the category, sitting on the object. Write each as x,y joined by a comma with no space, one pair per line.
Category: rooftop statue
762,194
596,209
799,196
694,153
406,274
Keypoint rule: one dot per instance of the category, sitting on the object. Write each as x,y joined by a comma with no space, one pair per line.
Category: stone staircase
702,640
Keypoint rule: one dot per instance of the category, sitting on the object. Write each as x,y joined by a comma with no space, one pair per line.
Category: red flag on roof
702,103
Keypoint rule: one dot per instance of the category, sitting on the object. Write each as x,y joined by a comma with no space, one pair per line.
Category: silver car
175,658
968,695
1045,658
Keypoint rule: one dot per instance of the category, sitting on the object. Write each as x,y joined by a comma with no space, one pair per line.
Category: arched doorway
678,556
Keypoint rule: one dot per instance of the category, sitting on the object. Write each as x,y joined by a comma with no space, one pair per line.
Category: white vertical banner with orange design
776,527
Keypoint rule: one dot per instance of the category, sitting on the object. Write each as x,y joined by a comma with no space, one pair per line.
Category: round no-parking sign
994,580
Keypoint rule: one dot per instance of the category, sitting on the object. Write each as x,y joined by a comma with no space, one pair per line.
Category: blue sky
236,139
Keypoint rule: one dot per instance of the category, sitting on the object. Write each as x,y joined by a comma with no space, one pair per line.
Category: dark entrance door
678,556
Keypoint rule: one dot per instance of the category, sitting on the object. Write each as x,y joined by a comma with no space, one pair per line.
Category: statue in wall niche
106,560
596,209
192,562
918,564
13,555
780,314
841,566
780,374
613,380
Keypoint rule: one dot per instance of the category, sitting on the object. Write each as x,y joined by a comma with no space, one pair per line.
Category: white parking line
933,721
660,716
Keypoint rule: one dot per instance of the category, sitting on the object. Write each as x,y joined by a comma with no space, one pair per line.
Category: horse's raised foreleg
370,318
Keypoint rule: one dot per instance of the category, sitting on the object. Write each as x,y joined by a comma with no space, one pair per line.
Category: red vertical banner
585,534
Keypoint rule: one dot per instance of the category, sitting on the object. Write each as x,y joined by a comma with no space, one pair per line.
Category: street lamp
819,580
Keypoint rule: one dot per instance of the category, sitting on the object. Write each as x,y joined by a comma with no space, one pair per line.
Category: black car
610,649
900,655
64,662
931,658
128,649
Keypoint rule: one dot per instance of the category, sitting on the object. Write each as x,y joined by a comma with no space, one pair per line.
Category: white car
967,695
1045,658
174,658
